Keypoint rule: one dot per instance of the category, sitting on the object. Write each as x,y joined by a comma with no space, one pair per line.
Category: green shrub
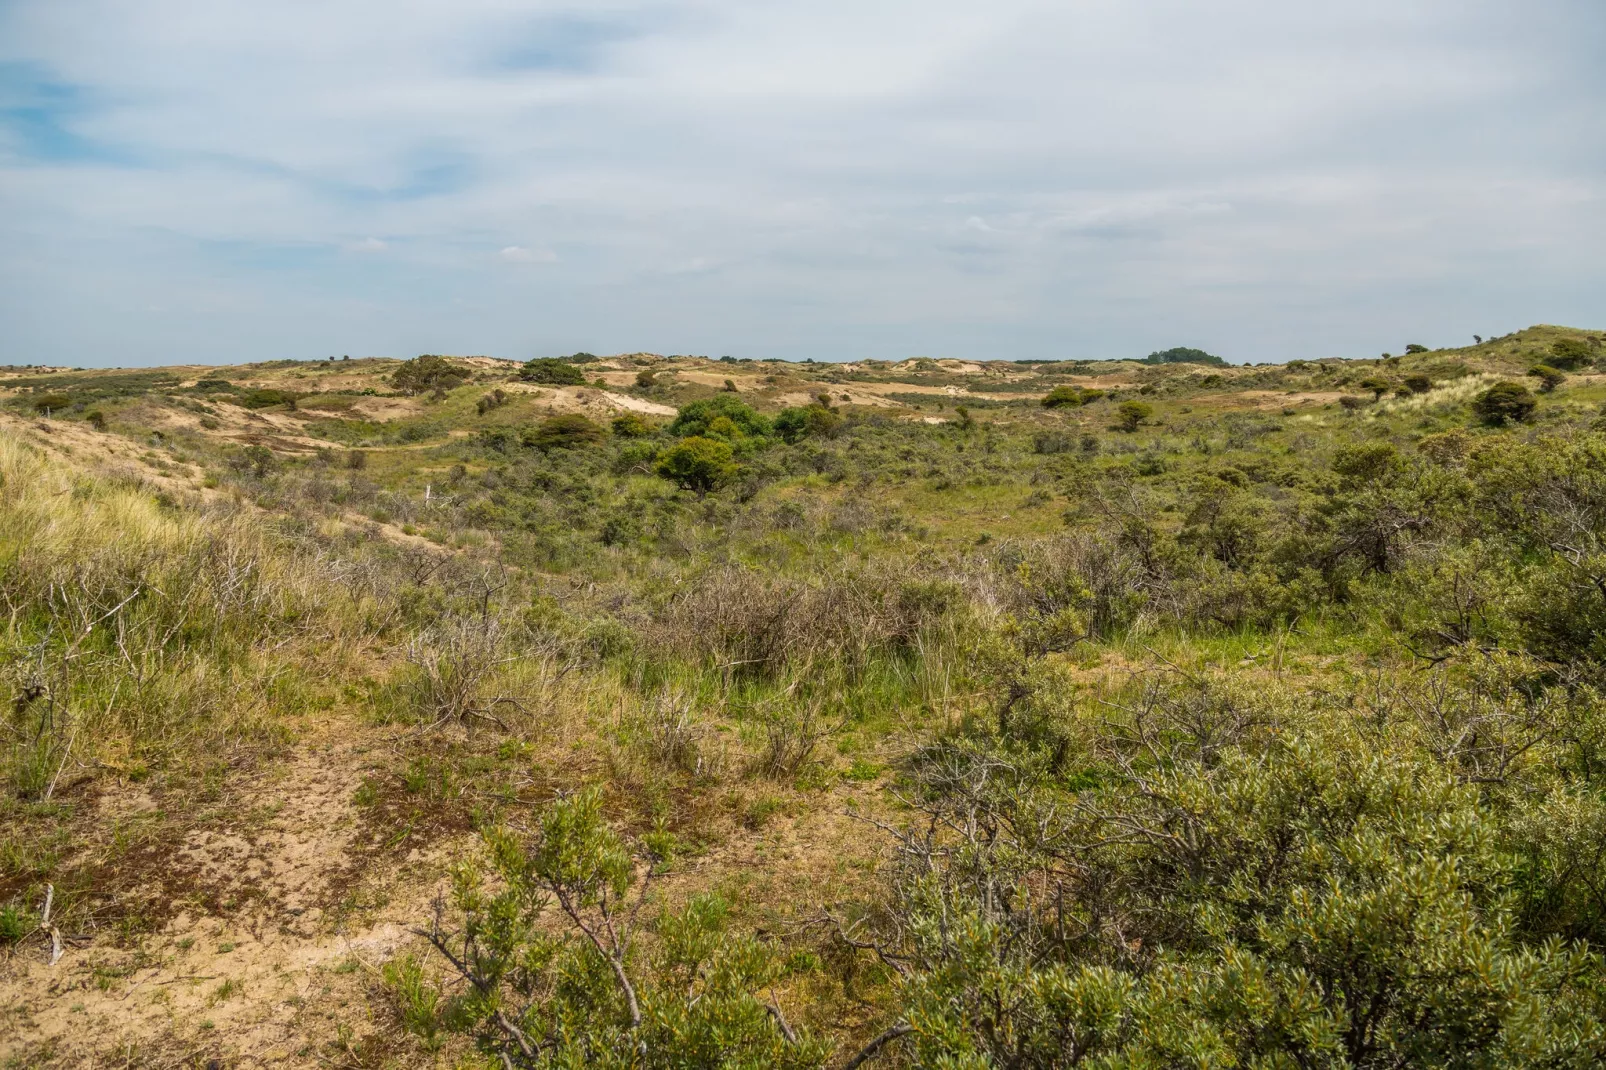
698,417
1130,414
267,399
698,463
552,370
807,421
1504,401
428,374
1549,378
1062,396
567,430
630,425
1569,354
1183,355
1418,383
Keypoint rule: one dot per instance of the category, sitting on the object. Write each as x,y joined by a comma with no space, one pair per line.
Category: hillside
464,712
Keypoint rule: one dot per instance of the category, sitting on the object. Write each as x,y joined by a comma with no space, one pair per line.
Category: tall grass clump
137,631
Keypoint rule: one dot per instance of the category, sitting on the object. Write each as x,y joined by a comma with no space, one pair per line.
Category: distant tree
1183,355
1131,414
1376,384
695,418
965,422
96,419
494,400
1351,402
630,425
1504,401
1549,378
806,421
1418,383
48,403
569,430
428,374
698,463
1569,354
553,371
729,387
1414,348
1062,397
267,399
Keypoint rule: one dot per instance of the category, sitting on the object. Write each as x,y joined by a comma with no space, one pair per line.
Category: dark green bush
428,374
552,370
698,417
565,431
1502,402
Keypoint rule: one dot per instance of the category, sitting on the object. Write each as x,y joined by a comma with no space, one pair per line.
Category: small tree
1569,354
1549,378
590,996
567,431
1504,401
1062,397
1131,414
1413,348
697,417
698,463
1377,385
553,371
427,374
965,422
804,421
630,425
1418,383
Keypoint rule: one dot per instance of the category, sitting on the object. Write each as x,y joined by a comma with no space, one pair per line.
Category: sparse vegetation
1254,722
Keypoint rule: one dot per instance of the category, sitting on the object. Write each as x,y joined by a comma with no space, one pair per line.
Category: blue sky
219,182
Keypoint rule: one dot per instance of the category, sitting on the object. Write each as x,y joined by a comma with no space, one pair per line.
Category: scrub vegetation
649,711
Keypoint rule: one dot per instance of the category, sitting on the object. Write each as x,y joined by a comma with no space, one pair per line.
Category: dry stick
870,1050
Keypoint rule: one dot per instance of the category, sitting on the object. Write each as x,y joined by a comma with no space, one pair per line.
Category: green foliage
1506,400
1377,384
1245,880
553,371
50,402
806,421
630,425
566,431
698,418
697,463
427,374
593,995
1066,397
1130,414
1570,354
267,399
1549,378
1418,383
1183,355
1413,349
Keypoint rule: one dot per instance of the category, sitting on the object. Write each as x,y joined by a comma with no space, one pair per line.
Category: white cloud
517,254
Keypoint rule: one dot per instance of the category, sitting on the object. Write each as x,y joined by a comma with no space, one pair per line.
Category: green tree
1184,355
697,463
1062,397
1570,354
631,425
1549,378
1418,383
568,430
1130,414
1413,348
428,374
1504,401
695,418
553,371
1376,384
804,421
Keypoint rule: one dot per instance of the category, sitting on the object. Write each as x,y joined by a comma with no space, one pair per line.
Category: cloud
1021,179
517,254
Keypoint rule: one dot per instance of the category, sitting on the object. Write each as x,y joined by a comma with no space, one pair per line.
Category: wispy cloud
1023,178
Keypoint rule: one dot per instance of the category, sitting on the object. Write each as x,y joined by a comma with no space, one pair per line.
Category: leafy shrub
267,399
697,417
1130,414
1549,378
698,463
1570,354
567,431
553,371
1062,396
51,402
591,995
428,374
1183,355
807,421
1504,401
1413,348
1417,383
630,425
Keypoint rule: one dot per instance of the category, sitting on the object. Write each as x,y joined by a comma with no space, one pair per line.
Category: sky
211,181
